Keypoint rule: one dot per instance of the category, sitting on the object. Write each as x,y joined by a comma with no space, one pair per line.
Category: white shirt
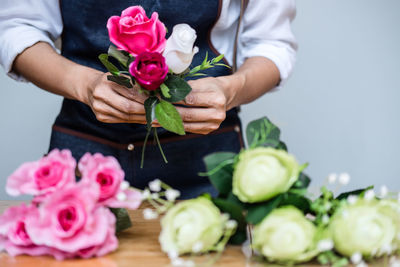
265,30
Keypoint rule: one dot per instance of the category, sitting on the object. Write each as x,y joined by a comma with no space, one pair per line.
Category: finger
201,114
130,93
102,108
200,127
111,119
118,101
204,99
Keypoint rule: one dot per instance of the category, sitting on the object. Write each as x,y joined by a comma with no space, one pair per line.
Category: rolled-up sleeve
266,31
24,23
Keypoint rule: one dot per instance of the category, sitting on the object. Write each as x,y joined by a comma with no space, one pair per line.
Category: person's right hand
113,103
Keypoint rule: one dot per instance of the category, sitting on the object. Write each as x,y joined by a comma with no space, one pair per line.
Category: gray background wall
339,111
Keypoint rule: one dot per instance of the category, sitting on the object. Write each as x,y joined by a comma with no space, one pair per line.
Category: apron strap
243,6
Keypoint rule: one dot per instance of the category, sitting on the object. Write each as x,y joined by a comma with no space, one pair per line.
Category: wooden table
138,246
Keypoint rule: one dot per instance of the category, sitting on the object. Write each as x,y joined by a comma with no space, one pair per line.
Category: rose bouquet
154,65
67,219
264,189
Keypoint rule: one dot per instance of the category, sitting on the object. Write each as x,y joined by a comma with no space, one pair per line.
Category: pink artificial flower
71,221
108,174
13,236
44,176
149,70
135,33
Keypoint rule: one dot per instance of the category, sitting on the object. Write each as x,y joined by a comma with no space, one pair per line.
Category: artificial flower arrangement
154,65
66,218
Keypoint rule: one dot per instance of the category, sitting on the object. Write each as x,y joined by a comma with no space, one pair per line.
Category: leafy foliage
169,118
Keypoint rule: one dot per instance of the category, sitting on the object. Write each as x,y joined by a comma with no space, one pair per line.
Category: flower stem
144,147
159,145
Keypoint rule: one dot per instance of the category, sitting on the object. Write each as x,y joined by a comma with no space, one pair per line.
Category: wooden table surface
138,246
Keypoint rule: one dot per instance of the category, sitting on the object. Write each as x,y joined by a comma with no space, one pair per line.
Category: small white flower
386,249
352,199
124,185
154,196
384,191
150,214
172,194
225,216
325,219
369,195
356,258
394,262
362,264
231,224
178,262
121,196
344,178
310,217
145,194
197,247
325,245
173,254
332,178
155,185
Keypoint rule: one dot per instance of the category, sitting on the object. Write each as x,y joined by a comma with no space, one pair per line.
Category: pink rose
135,33
13,236
149,70
107,173
71,221
44,176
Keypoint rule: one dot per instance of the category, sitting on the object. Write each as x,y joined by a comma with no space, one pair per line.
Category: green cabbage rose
194,225
365,227
285,235
263,173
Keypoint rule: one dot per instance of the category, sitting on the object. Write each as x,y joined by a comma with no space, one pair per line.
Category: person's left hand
205,106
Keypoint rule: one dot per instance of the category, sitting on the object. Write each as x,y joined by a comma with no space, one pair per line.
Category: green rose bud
194,225
365,227
285,235
263,173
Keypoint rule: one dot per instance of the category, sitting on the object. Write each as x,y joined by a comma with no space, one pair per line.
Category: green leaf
262,132
282,146
178,89
121,80
109,66
217,59
123,220
118,55
149,106
296,200
169,118
354,192
236,213
303,181
257,212
222,178
234,210
165,91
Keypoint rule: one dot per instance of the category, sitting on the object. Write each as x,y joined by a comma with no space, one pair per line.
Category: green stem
217,168
159,145
144,147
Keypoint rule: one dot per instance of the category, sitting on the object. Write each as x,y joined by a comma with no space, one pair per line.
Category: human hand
206,105
113,103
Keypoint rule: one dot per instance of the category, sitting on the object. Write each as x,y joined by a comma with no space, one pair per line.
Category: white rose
285,235
194,225
179,50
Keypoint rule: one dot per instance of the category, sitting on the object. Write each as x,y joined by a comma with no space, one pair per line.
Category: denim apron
84,37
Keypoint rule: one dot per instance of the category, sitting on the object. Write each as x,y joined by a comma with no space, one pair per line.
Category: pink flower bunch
66,219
